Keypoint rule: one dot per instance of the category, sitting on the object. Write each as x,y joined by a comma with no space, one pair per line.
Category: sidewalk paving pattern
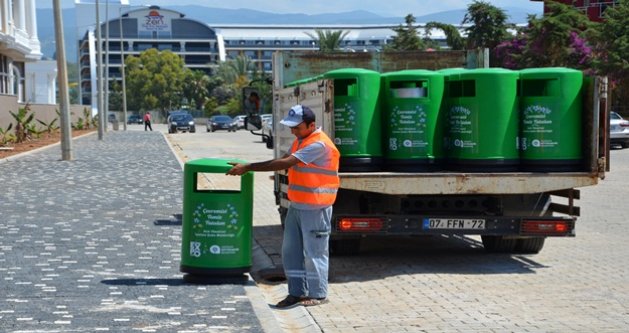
94,244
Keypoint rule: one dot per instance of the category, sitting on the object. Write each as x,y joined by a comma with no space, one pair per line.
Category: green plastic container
357,123
413,124
445,108
217,223
483,120
551,119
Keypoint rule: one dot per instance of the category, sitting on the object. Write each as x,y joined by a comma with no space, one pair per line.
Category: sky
393,8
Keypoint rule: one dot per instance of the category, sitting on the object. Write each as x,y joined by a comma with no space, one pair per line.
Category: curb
296,319
26,153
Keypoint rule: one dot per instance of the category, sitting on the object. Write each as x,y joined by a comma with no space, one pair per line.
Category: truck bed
465,183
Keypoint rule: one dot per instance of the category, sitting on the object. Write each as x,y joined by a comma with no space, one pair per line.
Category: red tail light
360,224
546,227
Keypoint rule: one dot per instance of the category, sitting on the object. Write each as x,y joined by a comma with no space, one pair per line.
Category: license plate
473,224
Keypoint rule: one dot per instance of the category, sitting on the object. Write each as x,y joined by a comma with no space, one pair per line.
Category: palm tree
329,41
237,71
196,88
453,37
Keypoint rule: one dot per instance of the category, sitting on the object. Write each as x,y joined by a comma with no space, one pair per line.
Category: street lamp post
122,72
102,122
62,78
106,99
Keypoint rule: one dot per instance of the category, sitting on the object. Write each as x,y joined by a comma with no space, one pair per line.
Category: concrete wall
43,112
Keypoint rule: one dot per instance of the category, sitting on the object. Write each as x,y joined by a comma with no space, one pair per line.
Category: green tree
156,80
453,37
488,25
556,39
612,48
196,88
115,96
406,38
612,42
237,71
328,40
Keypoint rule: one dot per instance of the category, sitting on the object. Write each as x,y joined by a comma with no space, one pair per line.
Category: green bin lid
213,165
481,72
411,74
348,72
548,72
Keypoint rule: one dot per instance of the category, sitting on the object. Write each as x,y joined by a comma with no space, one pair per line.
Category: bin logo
195,249
536,143
215,249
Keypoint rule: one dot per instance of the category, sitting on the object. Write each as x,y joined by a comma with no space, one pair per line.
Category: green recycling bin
551,119
357,123
483,120
445,108
413,123
217,222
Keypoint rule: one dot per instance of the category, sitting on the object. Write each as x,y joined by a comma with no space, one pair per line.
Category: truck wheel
529,245
348,246
499,244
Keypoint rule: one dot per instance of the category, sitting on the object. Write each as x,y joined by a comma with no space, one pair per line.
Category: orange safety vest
311,184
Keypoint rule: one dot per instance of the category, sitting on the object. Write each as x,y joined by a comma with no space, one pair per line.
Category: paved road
94,245
443,284
111,263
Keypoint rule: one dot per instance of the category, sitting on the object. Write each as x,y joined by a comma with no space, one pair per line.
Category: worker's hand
237,169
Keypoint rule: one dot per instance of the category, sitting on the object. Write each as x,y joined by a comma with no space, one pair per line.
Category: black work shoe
288,302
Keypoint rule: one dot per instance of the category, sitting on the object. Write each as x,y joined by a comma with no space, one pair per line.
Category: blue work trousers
305,251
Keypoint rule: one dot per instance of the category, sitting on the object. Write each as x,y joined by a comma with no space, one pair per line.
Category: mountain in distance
219,16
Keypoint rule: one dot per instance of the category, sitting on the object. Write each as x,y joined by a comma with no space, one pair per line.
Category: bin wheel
499,244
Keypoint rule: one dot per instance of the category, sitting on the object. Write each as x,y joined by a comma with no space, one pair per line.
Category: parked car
618,130
265,117
221,122
135,119
111,117
181,121
240,121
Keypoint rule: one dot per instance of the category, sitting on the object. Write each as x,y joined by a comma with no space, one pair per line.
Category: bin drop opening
216,182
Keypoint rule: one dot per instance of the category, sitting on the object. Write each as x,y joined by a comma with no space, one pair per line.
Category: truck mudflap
552,226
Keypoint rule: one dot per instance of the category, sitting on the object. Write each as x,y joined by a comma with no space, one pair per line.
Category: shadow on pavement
184,281
391,256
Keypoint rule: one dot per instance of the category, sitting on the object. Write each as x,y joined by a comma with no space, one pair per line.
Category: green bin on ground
357,123
551,119
483,120
217,219
413,123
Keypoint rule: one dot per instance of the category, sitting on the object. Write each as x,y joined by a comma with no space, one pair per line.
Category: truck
512,212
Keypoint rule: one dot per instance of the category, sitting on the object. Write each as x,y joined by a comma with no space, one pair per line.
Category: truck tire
499,244
529,245
345,247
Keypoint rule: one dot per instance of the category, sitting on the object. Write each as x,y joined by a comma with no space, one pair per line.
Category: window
4,75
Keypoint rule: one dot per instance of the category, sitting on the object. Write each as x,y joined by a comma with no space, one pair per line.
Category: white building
18,45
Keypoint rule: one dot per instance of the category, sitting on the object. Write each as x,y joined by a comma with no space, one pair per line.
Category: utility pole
102,122
106,102
124,87
62,79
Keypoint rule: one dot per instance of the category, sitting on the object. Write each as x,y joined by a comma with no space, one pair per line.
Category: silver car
618,130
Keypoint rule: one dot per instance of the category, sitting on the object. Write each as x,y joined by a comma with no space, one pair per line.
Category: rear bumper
495,225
